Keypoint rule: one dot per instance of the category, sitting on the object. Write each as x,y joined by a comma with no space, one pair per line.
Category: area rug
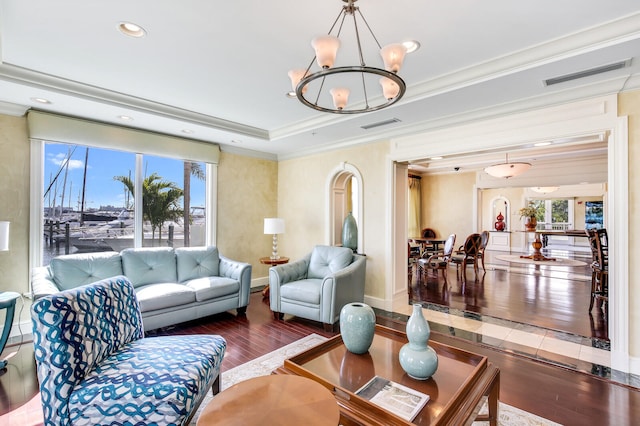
264,365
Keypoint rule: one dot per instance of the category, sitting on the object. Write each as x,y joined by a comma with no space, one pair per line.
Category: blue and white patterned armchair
95,367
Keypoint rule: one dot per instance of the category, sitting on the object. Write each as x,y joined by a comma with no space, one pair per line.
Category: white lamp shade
389,88
393,56
326,48
273,225
296,75
4,236
340,97
507,170
544,189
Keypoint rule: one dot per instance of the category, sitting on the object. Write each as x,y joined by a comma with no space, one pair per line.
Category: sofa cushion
211,287
163,295
326,260
157,380
74,270
149,265
306,291
197,262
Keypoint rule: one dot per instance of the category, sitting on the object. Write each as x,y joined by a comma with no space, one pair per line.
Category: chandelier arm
369,28
320,90
364,90
342,12
355,25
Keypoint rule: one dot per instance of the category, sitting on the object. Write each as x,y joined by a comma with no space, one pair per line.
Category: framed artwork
593,217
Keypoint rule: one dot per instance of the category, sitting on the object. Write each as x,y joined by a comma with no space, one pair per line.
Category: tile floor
579,353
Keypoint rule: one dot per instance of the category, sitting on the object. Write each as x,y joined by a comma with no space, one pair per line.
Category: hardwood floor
558,394
549,296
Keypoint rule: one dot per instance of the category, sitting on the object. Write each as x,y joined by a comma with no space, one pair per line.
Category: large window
90,204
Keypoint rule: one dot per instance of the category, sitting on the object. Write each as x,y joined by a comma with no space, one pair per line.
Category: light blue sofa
95,367
317,286
172,285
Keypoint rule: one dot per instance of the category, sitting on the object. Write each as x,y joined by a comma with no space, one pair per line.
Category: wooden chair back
428,233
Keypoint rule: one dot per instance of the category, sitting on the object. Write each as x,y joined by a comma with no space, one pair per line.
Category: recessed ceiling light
436,158
132,30
188,131
125,118
411,45
235,141
291,94
542,144
41,100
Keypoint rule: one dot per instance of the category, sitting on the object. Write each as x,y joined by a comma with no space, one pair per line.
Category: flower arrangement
529,211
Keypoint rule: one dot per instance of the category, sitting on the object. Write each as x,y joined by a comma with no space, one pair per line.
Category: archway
344,191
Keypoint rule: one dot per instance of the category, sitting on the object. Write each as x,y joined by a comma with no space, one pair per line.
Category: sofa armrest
343,286
285,273
238,271
42,283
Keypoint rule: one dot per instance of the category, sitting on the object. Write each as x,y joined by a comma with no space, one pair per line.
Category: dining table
428,245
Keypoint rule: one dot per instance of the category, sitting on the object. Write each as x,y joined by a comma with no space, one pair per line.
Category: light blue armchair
317,286
95,367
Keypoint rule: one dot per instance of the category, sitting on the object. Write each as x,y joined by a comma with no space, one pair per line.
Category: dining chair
438,261
468,253
598,242
483,245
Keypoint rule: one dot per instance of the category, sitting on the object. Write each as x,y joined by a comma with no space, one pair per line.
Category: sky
102,166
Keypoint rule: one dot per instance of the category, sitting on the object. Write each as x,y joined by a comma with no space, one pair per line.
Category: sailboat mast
84,185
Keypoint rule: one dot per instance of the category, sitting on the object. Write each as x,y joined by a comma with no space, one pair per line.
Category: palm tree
190,168
160,200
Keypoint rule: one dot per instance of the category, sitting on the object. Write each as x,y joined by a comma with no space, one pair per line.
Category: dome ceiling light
507,170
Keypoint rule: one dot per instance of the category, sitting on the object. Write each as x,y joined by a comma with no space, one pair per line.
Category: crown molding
13,109
19,75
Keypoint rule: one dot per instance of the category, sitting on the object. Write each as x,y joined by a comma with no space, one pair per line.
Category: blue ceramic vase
350,232
417,358
357,327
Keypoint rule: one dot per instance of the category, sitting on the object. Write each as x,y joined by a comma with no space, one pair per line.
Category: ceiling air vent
380,123
587,73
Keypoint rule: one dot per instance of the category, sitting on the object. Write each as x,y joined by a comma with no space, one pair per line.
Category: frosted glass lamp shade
296,75
507,170
340,97
4,236
389,88
393,56
326,48
273,225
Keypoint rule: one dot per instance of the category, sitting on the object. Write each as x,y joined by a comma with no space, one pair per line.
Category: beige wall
629,105
14,207
302,187
247,193
447,204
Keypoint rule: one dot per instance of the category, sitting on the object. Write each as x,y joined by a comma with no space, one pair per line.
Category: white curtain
414,206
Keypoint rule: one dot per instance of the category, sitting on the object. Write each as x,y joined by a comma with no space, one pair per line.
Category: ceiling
218,70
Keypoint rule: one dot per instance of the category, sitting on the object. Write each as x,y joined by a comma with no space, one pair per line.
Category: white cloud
58,160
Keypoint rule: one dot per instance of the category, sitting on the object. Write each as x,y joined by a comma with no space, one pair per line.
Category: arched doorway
344,195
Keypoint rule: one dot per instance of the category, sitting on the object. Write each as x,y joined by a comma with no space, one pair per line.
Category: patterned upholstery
95,367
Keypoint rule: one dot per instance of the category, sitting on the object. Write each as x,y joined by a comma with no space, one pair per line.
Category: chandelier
507,170
359,80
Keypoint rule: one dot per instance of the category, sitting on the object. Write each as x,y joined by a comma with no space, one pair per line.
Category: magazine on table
400,400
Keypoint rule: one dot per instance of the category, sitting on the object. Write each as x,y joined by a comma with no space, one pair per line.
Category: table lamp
274,226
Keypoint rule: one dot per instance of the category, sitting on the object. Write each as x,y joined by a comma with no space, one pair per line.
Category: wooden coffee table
272,400
456,390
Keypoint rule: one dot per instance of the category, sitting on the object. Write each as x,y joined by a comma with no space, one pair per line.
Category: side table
277,400
8,302
269,261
